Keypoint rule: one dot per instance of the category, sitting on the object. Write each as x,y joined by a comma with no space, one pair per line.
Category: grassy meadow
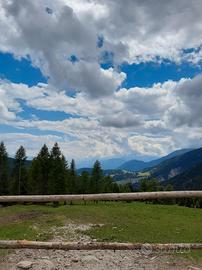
122,222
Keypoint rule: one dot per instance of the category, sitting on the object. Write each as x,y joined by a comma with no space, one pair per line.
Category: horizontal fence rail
21,244
103,197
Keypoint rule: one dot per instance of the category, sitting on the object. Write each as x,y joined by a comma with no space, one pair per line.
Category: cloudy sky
103,78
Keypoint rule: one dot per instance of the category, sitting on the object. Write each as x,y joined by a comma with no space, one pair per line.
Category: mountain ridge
137,165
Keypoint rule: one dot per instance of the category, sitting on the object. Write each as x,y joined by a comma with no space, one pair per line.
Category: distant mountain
177,165
137,165
112,163
107,164
188,180
133,165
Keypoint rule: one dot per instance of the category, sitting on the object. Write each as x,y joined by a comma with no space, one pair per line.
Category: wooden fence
18,244
136,196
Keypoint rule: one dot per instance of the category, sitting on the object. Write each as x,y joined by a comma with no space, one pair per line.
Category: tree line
50,173
151,185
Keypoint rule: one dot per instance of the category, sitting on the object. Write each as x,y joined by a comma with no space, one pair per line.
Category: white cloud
151,146
131,32
166,115
105,119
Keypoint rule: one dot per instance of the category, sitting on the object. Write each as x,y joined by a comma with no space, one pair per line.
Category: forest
50,173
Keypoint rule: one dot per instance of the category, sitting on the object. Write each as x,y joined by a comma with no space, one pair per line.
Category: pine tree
84,183
58,172
97,178
4,185
72,179
108,185
19,173
73,168
39,172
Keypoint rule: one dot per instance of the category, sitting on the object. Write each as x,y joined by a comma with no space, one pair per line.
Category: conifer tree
84,183
72,179
58,174
4,185
39,172
97,178
19,173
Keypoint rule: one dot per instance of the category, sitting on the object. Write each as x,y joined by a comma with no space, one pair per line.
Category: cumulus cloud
104,119
166,115
121,120
51,39
131,32
186,111
151,146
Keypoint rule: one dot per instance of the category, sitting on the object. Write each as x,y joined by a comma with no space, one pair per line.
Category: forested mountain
177,165
188,180
138,165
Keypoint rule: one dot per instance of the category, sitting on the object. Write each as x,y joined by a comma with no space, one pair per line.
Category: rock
24,265
193,268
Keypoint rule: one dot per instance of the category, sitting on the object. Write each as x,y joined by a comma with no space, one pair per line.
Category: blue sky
135,91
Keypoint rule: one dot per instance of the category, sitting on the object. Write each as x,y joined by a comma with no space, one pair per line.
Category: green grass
123,222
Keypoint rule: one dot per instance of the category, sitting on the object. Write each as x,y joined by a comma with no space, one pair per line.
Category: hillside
177,165
189,180
137,165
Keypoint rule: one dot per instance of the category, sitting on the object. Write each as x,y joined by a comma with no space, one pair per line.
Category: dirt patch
20,217
72,231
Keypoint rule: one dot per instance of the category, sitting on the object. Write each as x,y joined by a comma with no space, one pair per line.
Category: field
123,222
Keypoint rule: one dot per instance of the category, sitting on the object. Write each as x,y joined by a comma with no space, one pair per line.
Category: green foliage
84,183
148,185
72,185
97,178
39,172
19,173
4,185
58,173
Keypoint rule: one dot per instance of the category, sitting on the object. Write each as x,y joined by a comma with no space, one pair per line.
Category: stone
193,268
24,265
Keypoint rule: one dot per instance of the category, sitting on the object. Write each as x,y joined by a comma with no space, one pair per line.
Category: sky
107,78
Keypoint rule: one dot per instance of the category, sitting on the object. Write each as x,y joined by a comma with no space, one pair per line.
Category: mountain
137,165
107,164
133,165
188,180
177,165
112,163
